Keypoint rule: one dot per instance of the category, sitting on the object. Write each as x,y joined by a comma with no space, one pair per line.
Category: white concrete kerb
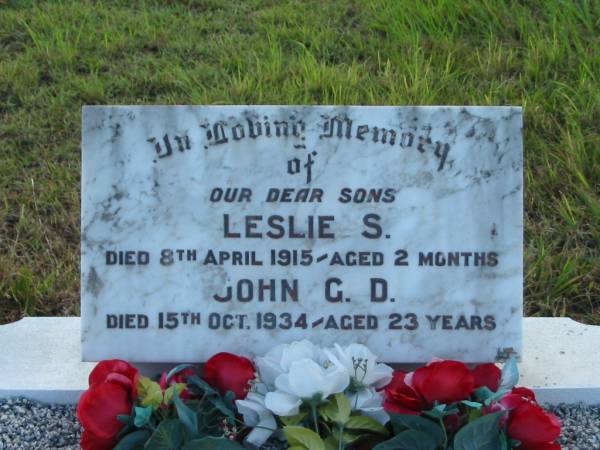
40,358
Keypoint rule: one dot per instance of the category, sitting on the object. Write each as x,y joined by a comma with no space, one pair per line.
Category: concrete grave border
40,358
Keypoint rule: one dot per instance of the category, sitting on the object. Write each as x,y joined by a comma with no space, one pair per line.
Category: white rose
279,359
305,381
362,366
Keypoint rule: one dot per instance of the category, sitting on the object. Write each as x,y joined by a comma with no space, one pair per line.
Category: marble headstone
235,228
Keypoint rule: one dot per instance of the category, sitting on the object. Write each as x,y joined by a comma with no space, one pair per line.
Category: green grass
56,56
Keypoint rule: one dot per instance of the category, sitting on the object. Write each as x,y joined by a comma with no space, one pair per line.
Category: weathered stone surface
397,227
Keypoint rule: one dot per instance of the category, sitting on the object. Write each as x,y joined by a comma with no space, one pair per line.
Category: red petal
229,372
524,392
163,381
530,424
487,375
89,441
396,408
99,407
398,393
512,401
103,369
444,381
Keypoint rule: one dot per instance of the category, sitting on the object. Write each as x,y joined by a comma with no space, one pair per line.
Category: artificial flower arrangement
315,399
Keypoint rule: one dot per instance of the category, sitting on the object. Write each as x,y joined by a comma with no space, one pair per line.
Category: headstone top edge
247,105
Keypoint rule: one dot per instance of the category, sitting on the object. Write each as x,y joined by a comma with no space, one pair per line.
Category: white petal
282,383
379,376
297,351
363,398
370,403
408,379
268,370
378,414
306,378
258,404
258,436
260,388
334,380
276,352
333,357
282,404
249,410
359,351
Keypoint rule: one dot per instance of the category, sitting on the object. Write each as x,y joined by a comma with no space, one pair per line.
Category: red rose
517,397
115,370
90,441
112,391
229,372
487,375
444,381
530,424
400,398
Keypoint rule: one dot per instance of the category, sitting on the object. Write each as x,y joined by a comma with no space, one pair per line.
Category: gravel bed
580,426
29,425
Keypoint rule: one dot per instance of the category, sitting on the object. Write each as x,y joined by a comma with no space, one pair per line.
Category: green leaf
168,436
481,434
503,441
513,443
203,385
365,423
142,415
128,421
474,414
168,396
402,422
229,397
124,418
409,440
332,443
350,437
293,420
303,438
149,392
133,441
475,405
337,409
212,443
222,406
510,375
495,396
187,416
483,393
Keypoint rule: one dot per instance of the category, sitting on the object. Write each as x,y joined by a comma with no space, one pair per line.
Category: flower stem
313,407
441,419
341,445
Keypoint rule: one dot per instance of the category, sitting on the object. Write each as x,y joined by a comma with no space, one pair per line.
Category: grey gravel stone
580,426
28,425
